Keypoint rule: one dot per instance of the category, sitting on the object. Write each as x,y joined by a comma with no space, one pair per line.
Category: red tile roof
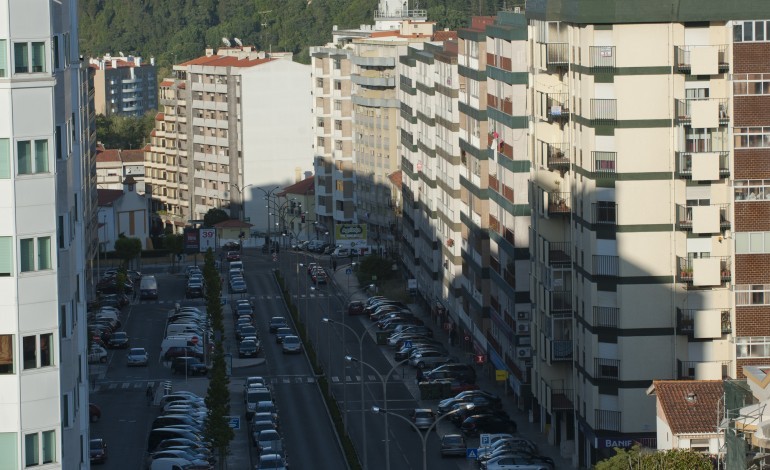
306,186
226,61
167,83
107,196
105,155
395,178
444,35
159,116
132,155
689,406
232,223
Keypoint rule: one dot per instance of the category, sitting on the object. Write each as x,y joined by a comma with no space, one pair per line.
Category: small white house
122,212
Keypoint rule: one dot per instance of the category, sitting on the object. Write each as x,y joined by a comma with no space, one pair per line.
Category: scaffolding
737,419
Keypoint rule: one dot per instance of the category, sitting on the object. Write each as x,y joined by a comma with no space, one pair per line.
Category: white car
515,463
97,354
137,357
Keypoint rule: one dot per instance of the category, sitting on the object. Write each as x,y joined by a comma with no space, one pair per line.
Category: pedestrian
420,376
334,264
150,394
136,292
453,336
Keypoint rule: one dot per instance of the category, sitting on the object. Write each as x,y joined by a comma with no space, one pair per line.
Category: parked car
427,358
423,418
463,372
194,290
487,423
183,351
233,255
277,322
477,397
98,450
118,340
355,307
269,442
137,357
453,445
97,354
272,461
281,333
248,348
192,366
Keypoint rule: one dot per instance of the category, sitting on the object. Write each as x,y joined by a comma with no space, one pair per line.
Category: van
177,341
159,434
341,252
174,329
148,288
236,265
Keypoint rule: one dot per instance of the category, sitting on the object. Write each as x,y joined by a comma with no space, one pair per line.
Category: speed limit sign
208,239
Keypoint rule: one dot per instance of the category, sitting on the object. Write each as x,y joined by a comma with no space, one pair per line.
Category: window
49,446
55,52
752,190
751,137
9,449
3,58
31,450
751,84
38,346
29,259
6,355
753,346
27,162
752,242
57,143
751,31
20,57
752,294
5,158
38,57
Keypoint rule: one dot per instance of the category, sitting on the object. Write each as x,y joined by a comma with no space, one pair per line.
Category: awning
496,360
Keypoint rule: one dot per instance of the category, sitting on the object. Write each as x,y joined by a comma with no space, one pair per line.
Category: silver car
137,357
291,344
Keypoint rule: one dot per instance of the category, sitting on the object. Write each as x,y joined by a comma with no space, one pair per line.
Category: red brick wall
751,57
752,321
749,362
752,269
752,163
752,216
751,110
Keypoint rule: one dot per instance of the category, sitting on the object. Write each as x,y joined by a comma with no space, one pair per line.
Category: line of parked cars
187,331
262,415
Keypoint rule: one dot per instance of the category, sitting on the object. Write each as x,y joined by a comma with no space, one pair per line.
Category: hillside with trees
173,31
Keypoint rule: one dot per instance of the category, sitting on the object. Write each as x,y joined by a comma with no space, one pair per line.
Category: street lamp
268,194
360,354
242,210
384,382
423,436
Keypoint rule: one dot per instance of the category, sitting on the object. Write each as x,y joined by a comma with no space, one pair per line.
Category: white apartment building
124,86
45,126
232,128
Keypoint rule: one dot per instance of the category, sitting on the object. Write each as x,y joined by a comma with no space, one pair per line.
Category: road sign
234,422
501,375
348,271
275,257
194,340
471,453
407,344
485,440
208,239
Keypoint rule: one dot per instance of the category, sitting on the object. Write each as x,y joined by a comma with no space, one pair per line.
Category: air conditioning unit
522,316
524,353
522,328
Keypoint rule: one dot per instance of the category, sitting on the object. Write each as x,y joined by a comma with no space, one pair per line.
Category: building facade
124,86
230,128
45,166
115,165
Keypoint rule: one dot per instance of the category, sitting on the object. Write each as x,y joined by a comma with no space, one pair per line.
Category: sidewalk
485,380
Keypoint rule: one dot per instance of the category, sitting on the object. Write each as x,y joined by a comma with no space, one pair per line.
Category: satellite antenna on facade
226,42
238,41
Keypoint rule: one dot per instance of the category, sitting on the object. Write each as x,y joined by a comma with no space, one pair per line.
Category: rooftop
306,186
689,406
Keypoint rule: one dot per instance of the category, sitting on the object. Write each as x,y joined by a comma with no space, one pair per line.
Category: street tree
127,248
214,216
636,458
174,243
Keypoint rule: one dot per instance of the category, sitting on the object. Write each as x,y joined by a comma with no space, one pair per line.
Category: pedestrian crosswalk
320,295
127,385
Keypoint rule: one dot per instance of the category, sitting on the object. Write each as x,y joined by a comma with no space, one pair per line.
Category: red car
356,307
233,256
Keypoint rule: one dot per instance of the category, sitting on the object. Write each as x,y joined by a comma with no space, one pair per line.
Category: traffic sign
275,256
485,440
207,239
234,422
194,340
348,271
501,375
471,453
407,344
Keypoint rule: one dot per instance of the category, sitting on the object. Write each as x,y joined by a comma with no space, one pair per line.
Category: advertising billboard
191,240
350,234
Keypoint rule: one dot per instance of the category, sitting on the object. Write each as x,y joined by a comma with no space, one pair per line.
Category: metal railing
556,54
562,399
603,164
687,368
606,317
605,213
684,163
561,350
558,203
601,58
684,109
607,420
683,57
557,156
604,111
605,265
685,321
685,265
557,106
684,216
606,368
561,301
559,253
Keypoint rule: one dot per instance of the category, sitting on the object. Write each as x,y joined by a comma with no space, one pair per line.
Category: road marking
113,386
335,379
370,377
125,385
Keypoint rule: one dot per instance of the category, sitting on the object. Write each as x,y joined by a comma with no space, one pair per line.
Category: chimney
138,61
308,174
114,63
152,60
297,174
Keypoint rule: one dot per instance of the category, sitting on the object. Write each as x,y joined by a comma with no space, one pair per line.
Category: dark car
355,307
192,365
452,445
183,351
406,351
118,340
487,423
98,450
94,412
277,322
231,246
248,348
461,412
281,333
194,290
477,397
233,255
113,300
463,372
246,330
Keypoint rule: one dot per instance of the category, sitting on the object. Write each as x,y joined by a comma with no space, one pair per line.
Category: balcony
702,60
561,301
601,58
604,111
607,369
557,107
701,324
702,113
607,420
704,272
561,350
558,203
556,156
605,213
702,370
562,399
703,166
557,55
605,265
559,254
703,219
603,165
606,317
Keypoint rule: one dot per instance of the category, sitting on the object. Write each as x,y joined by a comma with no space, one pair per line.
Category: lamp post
423,435
268,194
360,354
384,382
242,209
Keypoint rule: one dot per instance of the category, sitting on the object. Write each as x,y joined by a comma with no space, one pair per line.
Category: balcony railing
561,350
683,57
606,317
684,216
684,163
559,253
604,111
557,156
557,107
686,274
687,369
685,321
557,54
606,368
561,301
690,108
562,399
605,265
603,164
601,58
605,213
607,420
558,203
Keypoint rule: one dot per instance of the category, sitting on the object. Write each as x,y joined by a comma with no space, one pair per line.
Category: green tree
124,132
127,248
214,216
174,243
638,459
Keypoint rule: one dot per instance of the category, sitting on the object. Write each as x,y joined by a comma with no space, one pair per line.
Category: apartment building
113,166
45,129
231,127
646,181
124,86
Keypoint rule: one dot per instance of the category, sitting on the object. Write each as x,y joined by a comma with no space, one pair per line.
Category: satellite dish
238,41
226,42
